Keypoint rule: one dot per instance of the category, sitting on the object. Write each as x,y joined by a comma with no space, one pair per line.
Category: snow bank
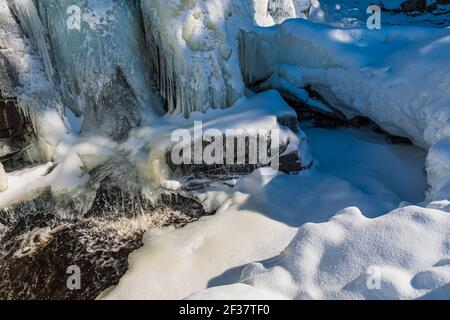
258,218
401,255
363,72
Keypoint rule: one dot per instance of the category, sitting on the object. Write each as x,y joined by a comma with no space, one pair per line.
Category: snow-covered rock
264,111
257,219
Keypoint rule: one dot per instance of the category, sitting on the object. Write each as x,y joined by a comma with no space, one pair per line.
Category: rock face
194,47
3,179
98,65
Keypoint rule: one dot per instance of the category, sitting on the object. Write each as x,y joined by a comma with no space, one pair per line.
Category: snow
149,146
28,80
438,168
194,47
144,153
68,172
258,219
352,13
363,72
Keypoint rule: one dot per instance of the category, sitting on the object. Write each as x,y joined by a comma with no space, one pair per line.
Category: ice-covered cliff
116,64
25,77
94,48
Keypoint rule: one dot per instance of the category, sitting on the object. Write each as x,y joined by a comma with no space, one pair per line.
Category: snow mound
258,218
99,64
401,255
194,47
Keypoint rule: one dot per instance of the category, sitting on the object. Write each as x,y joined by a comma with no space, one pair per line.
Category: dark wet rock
227,170
289,121
15,129
409,6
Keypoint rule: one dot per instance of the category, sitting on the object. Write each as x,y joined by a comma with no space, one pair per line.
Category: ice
191,50
3,179
194,47
143,157
105,98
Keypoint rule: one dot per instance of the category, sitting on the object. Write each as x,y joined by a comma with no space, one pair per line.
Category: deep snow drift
259,218
193,47
26,79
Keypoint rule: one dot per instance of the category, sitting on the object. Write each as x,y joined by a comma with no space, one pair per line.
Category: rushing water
37,248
